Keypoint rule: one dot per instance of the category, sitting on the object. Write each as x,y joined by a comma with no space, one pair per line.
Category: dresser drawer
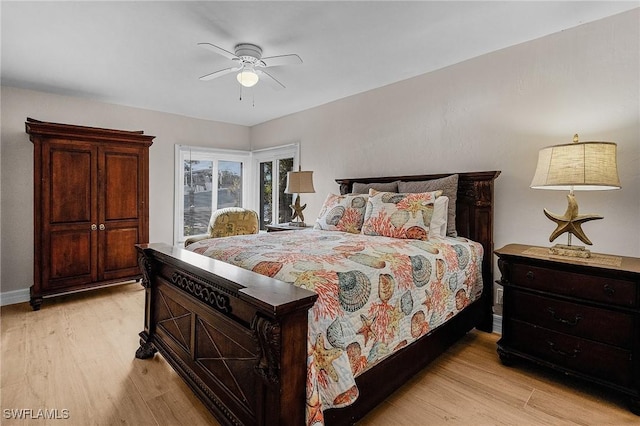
602,325
594,359
591,287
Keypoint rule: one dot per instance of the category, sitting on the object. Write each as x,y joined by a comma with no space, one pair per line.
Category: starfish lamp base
297,209
570,251
571,223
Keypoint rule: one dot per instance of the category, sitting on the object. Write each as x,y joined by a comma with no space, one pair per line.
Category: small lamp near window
578,166
300,182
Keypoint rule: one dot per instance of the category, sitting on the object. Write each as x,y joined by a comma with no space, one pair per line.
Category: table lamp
300,182
577,166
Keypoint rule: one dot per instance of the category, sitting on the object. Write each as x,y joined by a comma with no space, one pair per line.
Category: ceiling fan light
248,78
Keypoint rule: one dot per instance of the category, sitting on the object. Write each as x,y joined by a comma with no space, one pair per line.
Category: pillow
398,215
363,188
449,187
438,224
342,213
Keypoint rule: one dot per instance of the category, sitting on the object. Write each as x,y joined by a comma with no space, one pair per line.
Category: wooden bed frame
239,339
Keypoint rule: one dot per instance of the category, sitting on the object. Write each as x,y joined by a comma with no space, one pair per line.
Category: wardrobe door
69,205
122,201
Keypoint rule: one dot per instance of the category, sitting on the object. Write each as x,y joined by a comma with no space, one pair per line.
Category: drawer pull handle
610,291
574,353
571,322
530,275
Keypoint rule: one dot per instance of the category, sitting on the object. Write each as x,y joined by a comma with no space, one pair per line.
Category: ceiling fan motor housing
248,52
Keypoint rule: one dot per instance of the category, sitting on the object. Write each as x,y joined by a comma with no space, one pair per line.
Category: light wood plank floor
77,354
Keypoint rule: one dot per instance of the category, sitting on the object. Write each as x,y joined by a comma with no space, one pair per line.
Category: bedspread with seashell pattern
375,295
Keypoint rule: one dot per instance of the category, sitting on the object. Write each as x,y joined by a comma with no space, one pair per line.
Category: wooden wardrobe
91,206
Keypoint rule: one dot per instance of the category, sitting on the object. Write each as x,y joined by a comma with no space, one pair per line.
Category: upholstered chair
227,222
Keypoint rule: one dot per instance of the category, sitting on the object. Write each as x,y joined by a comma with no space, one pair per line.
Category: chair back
233,221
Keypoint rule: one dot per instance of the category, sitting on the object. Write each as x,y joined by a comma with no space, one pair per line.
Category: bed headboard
474,211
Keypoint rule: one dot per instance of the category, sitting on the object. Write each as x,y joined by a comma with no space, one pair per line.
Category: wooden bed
239,339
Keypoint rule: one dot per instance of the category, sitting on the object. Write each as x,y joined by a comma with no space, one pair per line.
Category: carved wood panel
174,319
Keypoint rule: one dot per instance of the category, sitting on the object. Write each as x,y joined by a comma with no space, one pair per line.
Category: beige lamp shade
300,182
579,166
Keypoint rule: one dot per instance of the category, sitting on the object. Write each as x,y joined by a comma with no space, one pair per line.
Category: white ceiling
144,53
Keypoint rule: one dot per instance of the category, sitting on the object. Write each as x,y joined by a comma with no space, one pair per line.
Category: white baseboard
15,296
497,324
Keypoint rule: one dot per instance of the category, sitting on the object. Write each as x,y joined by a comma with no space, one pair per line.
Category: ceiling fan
250,64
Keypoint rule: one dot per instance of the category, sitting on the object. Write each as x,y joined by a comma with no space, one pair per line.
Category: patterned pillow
449,187
399,215
342,213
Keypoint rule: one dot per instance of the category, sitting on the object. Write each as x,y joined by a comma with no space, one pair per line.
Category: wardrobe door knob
102,227
94,227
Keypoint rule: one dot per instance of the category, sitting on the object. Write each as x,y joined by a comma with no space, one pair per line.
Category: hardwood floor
63,359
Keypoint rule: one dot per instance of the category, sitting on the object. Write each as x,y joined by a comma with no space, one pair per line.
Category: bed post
474,220
146,349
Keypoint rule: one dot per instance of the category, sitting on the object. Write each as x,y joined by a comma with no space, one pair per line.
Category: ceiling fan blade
219,73
276,61
270,80
219,50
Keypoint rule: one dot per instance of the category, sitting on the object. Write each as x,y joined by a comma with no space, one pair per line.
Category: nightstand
286,227
577,316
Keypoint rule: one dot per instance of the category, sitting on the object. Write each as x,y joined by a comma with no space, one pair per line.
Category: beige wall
17,163
490,113
494,112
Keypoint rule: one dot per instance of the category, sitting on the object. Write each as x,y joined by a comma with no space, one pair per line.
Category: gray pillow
449,187
363,188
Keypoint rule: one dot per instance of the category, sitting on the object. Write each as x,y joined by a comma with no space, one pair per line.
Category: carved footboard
237,338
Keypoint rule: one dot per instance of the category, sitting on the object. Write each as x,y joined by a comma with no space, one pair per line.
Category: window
207,180
236,176
271,167
272,192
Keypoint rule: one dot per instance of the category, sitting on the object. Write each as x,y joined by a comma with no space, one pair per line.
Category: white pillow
438,225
